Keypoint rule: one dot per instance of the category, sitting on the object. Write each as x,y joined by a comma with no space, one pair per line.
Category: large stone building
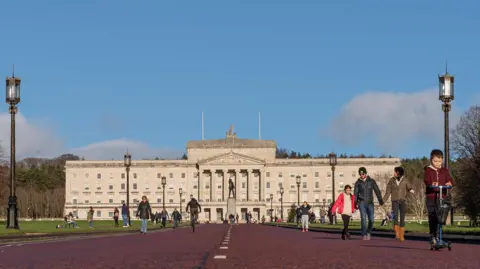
251,164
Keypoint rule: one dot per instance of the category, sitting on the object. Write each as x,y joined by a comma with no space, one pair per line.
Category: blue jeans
90,224
143,226
125,219
366,211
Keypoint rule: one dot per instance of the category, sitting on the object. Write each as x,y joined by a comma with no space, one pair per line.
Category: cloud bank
390,119
39,140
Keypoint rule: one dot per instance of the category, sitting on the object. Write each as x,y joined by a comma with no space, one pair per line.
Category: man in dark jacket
126,221
177,217
144,211
364,189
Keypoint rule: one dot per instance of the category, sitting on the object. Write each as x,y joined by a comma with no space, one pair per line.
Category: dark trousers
432,208
116,221
346,222
399,208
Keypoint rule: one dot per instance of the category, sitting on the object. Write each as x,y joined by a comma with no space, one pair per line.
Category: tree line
41,182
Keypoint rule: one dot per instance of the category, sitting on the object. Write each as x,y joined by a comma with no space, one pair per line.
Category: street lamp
180,191
12,98
127,161
446,95
164,182
271,207
281,200
299,180
333,163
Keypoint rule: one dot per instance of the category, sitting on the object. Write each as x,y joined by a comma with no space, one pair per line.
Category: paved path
160,249
257,246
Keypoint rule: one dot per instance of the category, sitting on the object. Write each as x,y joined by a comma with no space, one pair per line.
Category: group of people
144,213
398,188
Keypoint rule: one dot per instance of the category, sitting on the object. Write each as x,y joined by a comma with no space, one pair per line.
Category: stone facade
250,163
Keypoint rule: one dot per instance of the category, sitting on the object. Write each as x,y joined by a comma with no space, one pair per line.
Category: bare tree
466,146
416,201
382,181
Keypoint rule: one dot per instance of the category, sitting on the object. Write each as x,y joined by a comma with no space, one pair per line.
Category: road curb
454,238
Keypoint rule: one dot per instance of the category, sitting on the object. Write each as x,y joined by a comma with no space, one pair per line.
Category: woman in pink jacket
345,205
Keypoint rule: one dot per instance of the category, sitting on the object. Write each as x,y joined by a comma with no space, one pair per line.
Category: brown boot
397,232
402,234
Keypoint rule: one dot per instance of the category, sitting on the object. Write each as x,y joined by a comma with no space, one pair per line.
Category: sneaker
369,237
303,230
306,230
364,237
349,236
343,237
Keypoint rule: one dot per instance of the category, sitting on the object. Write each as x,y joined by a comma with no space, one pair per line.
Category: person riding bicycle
194,206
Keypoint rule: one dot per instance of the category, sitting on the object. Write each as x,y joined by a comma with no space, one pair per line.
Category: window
329,174
159,175
122,202
123,186
110,201
74,175
99,176
170,175
86,175
74,201
304,175
206,187
99,202
304,185
268,174
86,201
158,187
340,174
280,174
317,185
159,200
99,213
317,174
195,186
135,201
123,176
110,187
99,188
268,185
135,212
134,186
219,187
280,185
243,185
354,174
134,175
110,214
170,201
183,175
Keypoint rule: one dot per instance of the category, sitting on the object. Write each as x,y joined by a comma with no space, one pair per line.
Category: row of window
135,201
195,174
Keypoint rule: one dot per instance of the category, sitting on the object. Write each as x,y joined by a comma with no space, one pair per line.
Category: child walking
345,205
435,175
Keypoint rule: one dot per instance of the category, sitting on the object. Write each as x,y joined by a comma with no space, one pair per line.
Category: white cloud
38,139
390,119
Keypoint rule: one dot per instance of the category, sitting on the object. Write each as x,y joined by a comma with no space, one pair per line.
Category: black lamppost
271,207
180,191
299,180
281,203
12,98
446,95
164,182
333,163
127,160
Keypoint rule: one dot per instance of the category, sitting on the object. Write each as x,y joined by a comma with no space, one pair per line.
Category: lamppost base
12,213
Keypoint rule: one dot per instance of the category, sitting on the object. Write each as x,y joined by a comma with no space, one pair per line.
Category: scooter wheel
449,246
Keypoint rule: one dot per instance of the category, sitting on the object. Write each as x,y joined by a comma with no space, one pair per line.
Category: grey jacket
398,188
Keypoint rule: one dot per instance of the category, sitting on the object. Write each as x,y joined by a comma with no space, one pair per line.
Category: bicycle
193,219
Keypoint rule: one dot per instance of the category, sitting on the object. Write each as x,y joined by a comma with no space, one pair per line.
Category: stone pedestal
231,207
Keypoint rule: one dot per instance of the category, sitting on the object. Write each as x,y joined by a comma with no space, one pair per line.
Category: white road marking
220,257
223,247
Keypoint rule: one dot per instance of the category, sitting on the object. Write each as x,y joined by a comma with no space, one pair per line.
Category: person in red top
435,175
345,206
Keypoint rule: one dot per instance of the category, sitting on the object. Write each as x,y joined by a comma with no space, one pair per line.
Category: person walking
305,211
116,214
177,217
90,217
365,187
345,206
164,216
125,215
398,187
144,211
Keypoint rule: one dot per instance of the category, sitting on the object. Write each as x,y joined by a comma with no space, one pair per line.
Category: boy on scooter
435,175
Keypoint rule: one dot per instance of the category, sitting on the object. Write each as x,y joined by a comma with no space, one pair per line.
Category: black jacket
364,191
144,210
193,204
304,209
176,215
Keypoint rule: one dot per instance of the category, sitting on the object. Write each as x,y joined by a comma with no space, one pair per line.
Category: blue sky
116,73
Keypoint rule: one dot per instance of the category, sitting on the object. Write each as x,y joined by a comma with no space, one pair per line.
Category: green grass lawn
49,227
409,227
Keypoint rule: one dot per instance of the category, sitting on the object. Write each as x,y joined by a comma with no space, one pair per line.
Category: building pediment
232,158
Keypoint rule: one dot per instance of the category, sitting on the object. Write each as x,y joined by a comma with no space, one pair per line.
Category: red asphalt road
257,246
164,249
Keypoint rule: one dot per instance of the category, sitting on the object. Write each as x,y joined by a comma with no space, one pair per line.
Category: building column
248,185
212,172
199,187
237,171
261,192
225,185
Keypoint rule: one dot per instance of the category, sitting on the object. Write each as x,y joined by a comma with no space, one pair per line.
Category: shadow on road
397,247
333,238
